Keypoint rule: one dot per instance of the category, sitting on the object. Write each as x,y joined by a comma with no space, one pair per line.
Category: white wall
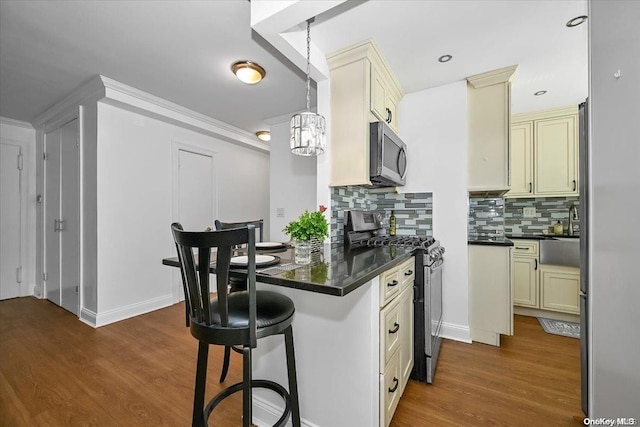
434,127
134,206
24,135
614,293
293,182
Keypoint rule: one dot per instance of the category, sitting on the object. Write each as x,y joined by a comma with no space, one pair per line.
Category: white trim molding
17,123
456,332
111,316
107,90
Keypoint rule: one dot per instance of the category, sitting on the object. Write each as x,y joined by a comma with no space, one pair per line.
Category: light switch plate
529,212
279,212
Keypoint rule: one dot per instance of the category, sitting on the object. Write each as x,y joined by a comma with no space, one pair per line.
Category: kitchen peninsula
347,366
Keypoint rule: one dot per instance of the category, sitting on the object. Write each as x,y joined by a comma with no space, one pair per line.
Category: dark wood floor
57,371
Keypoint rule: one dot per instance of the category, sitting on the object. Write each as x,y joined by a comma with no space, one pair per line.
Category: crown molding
545,114
92,89
113,92
489,78
17,123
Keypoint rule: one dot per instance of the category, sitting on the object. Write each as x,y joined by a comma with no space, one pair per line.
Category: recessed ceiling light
540,92
264,135
577,21
248,72
445,58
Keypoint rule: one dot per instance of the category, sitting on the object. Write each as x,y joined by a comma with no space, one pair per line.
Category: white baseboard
121,313
266,414
456,332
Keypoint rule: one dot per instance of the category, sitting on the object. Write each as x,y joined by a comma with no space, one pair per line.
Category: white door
195,201
195,190
62,254
10,221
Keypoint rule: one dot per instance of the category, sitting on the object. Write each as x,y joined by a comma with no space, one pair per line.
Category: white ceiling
182,50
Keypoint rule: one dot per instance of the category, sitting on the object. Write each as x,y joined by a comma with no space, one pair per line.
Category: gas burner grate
401,241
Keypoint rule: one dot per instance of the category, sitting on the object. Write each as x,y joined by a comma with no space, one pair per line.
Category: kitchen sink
560,251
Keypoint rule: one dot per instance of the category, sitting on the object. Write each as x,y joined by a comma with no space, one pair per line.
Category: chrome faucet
573,216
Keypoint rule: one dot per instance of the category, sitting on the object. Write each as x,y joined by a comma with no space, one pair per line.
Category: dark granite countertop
540,236
492,240
336,271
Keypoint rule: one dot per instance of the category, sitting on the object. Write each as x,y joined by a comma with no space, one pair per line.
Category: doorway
62,216
195,201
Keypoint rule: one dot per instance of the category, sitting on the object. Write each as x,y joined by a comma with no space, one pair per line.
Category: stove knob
442,250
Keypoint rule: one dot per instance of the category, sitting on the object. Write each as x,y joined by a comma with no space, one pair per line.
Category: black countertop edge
490,241
336,290
540,236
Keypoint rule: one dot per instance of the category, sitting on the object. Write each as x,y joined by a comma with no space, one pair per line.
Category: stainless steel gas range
364,229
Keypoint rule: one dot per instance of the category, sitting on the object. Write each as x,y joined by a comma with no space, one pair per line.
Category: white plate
244,260
269,244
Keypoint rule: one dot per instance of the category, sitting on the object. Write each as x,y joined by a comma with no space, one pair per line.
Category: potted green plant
310,226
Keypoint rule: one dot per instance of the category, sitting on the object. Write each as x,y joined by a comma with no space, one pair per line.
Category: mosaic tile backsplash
486,216
549,210
413,211
498,216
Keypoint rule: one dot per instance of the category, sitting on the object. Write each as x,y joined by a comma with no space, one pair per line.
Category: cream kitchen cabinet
544,154
560,289
396,335
490,293
525,273
363,90
489,126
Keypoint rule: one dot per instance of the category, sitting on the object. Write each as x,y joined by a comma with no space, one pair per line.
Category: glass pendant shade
308,137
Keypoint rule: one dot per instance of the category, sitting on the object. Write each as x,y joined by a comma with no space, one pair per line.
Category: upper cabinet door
378,95
556,157
521,159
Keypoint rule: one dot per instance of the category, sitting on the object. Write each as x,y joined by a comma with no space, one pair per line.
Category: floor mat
560,327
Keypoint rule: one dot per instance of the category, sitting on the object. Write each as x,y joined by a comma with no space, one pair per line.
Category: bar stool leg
225,363
293,379
247,395
201,384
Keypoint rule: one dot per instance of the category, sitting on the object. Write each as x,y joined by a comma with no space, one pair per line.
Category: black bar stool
236,283
239,318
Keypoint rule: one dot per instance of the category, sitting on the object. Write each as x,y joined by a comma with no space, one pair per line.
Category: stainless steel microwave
388,156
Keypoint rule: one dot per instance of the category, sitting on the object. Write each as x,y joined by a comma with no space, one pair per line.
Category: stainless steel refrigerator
583,147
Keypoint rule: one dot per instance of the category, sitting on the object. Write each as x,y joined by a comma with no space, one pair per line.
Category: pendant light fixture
308,129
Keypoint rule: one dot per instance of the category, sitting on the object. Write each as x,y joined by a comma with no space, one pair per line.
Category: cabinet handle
389,116
574,185
536,267
521,248
530,188
395,385
393,283
395,329
408,273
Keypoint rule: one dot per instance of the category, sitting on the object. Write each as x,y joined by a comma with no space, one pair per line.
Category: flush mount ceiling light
445,58
576,21
540,92
308,129
248,72
264,135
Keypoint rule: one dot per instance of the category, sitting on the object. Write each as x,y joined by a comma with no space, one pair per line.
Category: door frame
62,120
177,146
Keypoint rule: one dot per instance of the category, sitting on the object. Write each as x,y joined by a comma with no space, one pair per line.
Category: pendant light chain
308,130
308,64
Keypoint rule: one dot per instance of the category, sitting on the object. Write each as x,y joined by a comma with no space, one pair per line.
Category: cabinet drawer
407,273
390,389
389,285
391,330
526,247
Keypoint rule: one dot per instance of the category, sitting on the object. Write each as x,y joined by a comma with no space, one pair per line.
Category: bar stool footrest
271,385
